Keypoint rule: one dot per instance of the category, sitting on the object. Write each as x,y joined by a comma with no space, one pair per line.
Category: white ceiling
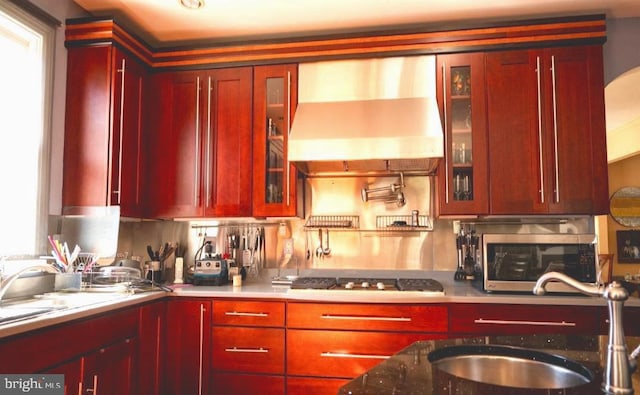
164,22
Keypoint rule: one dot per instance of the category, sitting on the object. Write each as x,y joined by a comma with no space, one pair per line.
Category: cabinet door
275,186
126,160
187,357
227,153
87,148
546,131
462,177
112,370
574,86
103,126
72,372
516,165
173,145
151,348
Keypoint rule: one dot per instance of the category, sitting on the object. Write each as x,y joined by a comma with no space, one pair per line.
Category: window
26,44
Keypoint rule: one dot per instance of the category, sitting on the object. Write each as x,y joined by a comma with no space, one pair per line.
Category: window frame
45,25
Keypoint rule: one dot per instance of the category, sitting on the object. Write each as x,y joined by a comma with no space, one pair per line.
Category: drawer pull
247,350
365,318
242,314
347,355
539,323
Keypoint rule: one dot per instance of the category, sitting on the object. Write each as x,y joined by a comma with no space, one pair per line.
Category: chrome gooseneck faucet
617,374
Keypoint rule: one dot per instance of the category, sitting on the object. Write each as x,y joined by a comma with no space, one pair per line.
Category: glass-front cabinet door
274,178
462,176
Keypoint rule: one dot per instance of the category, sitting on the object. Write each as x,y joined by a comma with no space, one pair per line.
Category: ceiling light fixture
192,4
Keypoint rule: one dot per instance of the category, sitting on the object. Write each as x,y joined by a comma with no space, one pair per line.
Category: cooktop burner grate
419,284
369,284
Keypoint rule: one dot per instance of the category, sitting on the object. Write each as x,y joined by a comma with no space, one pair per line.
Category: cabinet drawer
371,317
259,350
314,386
489,319
343,354
248,313
230,384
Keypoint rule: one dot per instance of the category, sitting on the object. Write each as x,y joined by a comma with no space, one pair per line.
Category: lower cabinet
98,355
72,372
188,341
111,370
247,347
330,343
151,348
512,319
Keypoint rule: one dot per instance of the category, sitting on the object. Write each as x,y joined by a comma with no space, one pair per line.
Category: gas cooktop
425,285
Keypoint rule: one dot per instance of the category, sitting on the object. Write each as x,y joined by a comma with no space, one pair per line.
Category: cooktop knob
365,284
349,285
380,285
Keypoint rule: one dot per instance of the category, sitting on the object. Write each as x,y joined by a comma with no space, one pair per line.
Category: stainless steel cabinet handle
247,350
540,153
518,322
201,356
288,110
196,183
121,70
446,132
208,159
365,318
243,314
94,390
555,130
348,355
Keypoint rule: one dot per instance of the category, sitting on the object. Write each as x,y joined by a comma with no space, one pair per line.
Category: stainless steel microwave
514,262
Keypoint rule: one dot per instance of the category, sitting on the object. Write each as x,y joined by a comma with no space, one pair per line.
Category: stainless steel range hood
367,117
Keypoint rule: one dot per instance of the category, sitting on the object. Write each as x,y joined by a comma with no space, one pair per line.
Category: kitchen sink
510,367
11,311
9,314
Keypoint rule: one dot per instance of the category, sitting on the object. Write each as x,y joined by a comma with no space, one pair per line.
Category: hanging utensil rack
403,223
347,222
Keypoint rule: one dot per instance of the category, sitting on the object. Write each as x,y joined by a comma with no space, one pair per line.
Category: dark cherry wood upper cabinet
463,174
228,143
276,191
546,131
103,129
199,144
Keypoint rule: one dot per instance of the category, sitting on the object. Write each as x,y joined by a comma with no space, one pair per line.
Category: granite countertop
409,372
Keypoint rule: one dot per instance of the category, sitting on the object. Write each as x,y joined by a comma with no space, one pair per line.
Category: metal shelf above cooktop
384,223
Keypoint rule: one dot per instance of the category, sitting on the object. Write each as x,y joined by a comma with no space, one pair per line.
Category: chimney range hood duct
367,117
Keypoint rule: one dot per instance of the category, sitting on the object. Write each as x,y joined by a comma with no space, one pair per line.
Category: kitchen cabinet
508,319
545,113
107,357
331,342
103,129
187,353
247,347
199,144
463,174
112,370
277,190
72,371
151,340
